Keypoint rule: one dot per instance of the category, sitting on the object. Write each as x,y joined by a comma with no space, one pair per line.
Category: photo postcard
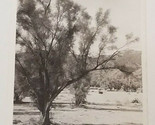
80,62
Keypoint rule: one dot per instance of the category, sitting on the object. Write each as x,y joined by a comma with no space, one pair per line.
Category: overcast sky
124,14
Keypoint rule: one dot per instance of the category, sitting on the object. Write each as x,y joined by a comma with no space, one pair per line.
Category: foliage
21,88
81,89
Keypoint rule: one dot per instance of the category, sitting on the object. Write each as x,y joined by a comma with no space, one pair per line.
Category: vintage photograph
78,62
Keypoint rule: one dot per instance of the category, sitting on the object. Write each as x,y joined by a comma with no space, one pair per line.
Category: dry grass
109,108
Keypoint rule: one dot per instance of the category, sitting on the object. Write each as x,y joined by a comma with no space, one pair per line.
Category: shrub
81,89
136,101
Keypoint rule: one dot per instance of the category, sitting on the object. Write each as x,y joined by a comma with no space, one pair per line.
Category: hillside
129,71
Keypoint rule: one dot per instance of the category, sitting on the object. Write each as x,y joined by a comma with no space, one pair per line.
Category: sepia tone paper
80,63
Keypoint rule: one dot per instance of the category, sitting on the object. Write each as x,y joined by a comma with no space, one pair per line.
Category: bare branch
47,7
110,58
56,30
28,44
75,57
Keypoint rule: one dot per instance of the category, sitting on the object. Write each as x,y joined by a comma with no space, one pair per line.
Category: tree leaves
102,19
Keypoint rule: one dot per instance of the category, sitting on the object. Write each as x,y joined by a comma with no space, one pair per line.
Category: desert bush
134,86
114,84
136,101
81,89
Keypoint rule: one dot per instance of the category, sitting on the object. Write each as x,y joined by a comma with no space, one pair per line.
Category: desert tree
46,33
81,88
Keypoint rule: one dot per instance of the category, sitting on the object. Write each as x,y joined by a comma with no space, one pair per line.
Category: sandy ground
109,108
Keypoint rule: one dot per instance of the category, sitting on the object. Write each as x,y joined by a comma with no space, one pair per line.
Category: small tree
46,32
81,89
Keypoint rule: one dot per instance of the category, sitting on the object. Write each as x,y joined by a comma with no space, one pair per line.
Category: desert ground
109,108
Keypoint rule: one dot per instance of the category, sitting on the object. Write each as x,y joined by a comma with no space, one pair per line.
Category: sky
124,14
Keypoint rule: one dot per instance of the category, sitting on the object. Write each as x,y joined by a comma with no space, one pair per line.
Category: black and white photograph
79,62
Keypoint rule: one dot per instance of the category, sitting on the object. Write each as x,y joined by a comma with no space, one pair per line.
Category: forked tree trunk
45,117
45,120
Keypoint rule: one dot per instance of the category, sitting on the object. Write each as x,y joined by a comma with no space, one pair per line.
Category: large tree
47,32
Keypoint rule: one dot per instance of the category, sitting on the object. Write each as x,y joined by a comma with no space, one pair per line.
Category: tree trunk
45,120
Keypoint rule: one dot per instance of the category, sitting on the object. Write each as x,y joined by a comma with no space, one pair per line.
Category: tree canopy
46,33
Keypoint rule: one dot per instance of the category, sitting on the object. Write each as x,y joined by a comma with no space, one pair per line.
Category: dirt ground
109,108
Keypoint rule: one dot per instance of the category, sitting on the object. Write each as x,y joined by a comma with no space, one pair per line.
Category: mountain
128,61
129,71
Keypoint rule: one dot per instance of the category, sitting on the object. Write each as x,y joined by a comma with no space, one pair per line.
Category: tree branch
47,7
